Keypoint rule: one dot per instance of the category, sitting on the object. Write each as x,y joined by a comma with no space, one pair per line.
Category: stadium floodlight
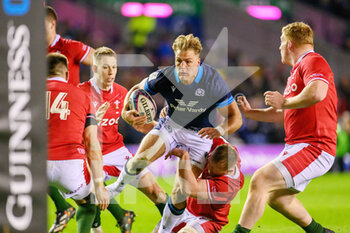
132,9
155,10
264,12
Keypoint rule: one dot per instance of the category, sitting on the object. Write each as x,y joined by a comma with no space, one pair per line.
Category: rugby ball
143,102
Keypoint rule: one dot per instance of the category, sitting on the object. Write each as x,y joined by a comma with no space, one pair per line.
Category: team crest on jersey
95,104
200,92
117,102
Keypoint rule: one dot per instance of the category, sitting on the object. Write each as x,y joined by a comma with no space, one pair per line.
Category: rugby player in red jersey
210,195
108,97
75,51
309,110
72,140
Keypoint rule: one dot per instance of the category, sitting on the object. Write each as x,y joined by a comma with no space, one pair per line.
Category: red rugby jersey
67,108
221,191
109,136
317,124
75,51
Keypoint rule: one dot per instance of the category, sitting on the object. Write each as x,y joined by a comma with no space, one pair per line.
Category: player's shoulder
209,71
313,58
168,71
119,88
85,86
77,89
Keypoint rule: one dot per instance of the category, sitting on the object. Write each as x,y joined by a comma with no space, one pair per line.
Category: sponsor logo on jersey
200,92
290,88
182,103
183,107
108,121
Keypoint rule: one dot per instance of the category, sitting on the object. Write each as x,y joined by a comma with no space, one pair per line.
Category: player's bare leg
269,186
149,186
176,204
152,147
286,203
264,181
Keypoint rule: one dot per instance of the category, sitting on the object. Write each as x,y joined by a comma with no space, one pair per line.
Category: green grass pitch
327,199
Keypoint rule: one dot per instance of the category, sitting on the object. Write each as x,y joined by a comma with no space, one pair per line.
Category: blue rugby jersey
190,106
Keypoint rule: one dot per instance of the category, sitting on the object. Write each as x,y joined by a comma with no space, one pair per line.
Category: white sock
169,220
118,186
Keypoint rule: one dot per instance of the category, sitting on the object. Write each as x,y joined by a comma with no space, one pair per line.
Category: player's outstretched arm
266,115
94,157
313,93
189,184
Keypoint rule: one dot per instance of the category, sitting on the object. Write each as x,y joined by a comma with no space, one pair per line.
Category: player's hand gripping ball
143,102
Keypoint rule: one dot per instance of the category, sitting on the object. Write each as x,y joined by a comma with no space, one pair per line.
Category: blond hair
57,64
103,51
183,42
299,33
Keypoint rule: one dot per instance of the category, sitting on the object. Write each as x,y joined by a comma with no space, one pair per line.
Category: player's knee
178,191
278,201
274,202
187,229
257,182
136,165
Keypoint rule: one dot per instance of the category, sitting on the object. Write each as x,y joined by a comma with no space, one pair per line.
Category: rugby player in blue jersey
192,90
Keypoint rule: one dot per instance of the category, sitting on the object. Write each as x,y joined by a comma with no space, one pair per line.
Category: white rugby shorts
200,223
175,135
300,163
72,177
114,162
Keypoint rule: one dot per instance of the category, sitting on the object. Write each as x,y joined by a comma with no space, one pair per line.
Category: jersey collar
302,56
55,40
97,89
196,80
60,79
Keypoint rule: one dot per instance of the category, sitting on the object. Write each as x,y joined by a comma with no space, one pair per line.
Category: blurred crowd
340,8
157,48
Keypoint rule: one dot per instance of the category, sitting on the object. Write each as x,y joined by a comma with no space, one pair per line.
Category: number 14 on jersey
59,105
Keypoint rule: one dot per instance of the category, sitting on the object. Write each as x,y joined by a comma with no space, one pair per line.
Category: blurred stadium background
253,40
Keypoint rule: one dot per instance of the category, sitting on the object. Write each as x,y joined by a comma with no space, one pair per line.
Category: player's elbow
318,97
